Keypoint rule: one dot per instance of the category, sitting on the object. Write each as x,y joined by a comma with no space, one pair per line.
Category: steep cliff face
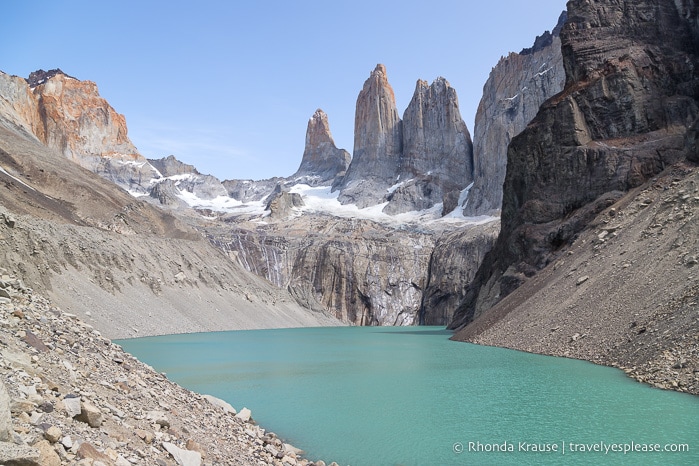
453,264
516,88
359,271
322,161
378,143
631,93
19,105
81,125
365,276
437,149
69,115
412,164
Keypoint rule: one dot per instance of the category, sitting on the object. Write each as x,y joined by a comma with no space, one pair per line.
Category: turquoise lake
409,396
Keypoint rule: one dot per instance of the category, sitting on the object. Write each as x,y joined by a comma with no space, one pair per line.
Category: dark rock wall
631,93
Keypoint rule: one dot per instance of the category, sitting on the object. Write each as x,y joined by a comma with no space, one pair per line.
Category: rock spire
378,140
437,149
322,161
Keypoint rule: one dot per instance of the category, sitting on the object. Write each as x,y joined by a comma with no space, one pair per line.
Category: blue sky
229,86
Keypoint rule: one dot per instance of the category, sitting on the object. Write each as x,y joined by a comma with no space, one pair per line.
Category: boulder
183,457
220,403
5,415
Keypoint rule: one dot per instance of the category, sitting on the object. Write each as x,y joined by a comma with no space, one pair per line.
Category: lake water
409,396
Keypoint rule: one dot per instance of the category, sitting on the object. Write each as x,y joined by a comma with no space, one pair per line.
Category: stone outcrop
453,264
378,143
322,161
281,203
169,166
412,164
82,126
437,149
69,115
360,271
631,94
251,190
512,95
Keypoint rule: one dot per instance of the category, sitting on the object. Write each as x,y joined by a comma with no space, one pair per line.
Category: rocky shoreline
70,396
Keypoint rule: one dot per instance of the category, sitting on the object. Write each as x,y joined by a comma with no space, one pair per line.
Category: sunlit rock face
322,161
516,88
69,116
378,143
437,157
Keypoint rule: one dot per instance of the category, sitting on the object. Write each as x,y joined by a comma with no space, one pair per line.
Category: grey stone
72,406
5,415
378,140
11,453
512,95
322,161
91,415
437,148
183,457
244,415
220,403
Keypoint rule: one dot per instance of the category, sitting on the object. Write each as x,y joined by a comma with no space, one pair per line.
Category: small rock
47,454
145,435
582,280
244,415
21,406
681,364
9,220
34,341
183,457
194,446
53,434
67,442
159,418
72,405
90,415
88,451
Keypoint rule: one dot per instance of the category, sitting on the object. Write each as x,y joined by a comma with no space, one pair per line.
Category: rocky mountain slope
70,396
516,88
627,113
98,252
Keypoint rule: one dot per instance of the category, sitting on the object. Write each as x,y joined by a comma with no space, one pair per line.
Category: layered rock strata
322,161
512,95
631,94
359,271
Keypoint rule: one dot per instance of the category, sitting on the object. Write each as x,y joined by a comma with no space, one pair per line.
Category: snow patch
16,179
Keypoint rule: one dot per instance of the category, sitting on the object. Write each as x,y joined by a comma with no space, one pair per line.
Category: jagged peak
40,76
380,70
546,38
318,115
